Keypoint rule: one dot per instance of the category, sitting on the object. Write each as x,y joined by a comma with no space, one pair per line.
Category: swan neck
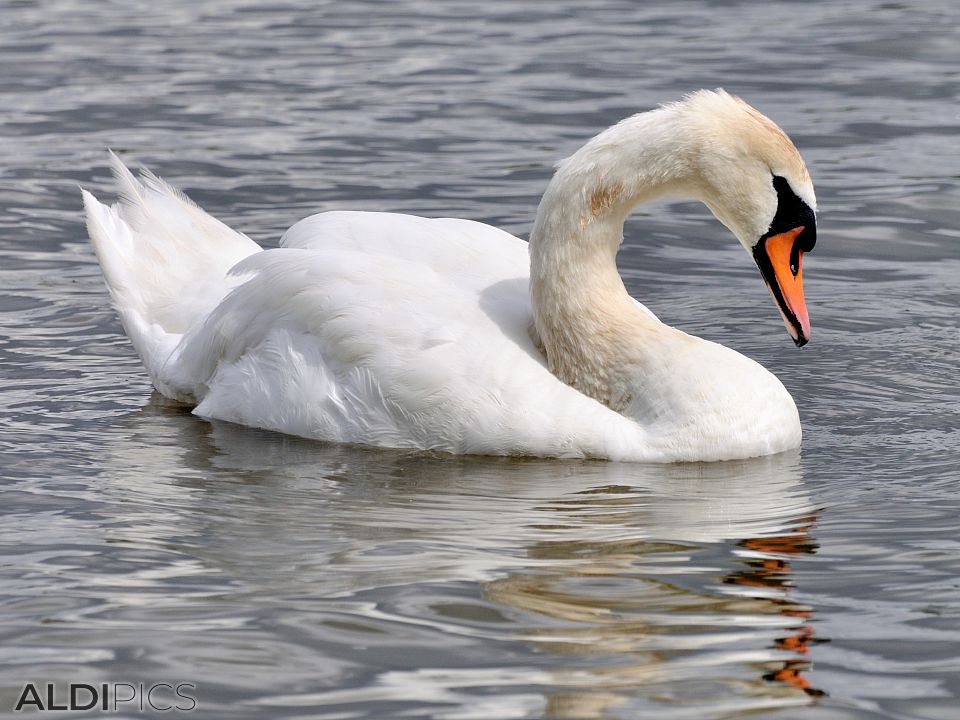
579,224
586,321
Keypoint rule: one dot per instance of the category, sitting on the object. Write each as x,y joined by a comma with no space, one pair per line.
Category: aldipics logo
112,697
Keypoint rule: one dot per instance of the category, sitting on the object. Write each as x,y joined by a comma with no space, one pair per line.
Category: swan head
750,175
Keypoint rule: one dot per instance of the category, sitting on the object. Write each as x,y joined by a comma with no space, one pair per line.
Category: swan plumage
401,331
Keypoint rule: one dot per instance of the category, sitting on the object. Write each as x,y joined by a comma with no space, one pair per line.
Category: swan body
451,335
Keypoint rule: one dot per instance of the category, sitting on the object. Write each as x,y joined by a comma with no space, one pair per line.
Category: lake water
290,579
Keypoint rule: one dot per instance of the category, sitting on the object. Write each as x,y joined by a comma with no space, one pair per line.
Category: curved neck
591,329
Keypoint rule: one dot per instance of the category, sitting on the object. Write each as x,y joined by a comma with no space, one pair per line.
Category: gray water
285,578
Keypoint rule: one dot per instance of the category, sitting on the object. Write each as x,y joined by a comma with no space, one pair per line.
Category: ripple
297,579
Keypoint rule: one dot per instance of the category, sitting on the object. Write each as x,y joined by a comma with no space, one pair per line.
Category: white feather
402,331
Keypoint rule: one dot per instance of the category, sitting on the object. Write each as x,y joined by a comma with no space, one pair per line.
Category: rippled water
292,579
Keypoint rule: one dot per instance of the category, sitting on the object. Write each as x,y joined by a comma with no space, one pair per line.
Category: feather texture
402,331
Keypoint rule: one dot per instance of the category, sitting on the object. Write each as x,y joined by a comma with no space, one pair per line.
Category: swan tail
165,262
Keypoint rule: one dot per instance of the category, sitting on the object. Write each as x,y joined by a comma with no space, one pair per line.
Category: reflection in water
768,568
628,601
630,586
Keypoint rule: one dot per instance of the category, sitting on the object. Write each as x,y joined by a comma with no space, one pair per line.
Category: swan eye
793,212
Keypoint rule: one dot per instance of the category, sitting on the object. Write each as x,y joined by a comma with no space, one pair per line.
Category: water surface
294,579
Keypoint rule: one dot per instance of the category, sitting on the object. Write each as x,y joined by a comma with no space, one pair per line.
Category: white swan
447,334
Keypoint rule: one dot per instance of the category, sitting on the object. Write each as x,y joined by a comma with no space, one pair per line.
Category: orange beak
780,259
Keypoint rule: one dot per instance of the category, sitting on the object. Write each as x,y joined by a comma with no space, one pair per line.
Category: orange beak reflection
781,262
